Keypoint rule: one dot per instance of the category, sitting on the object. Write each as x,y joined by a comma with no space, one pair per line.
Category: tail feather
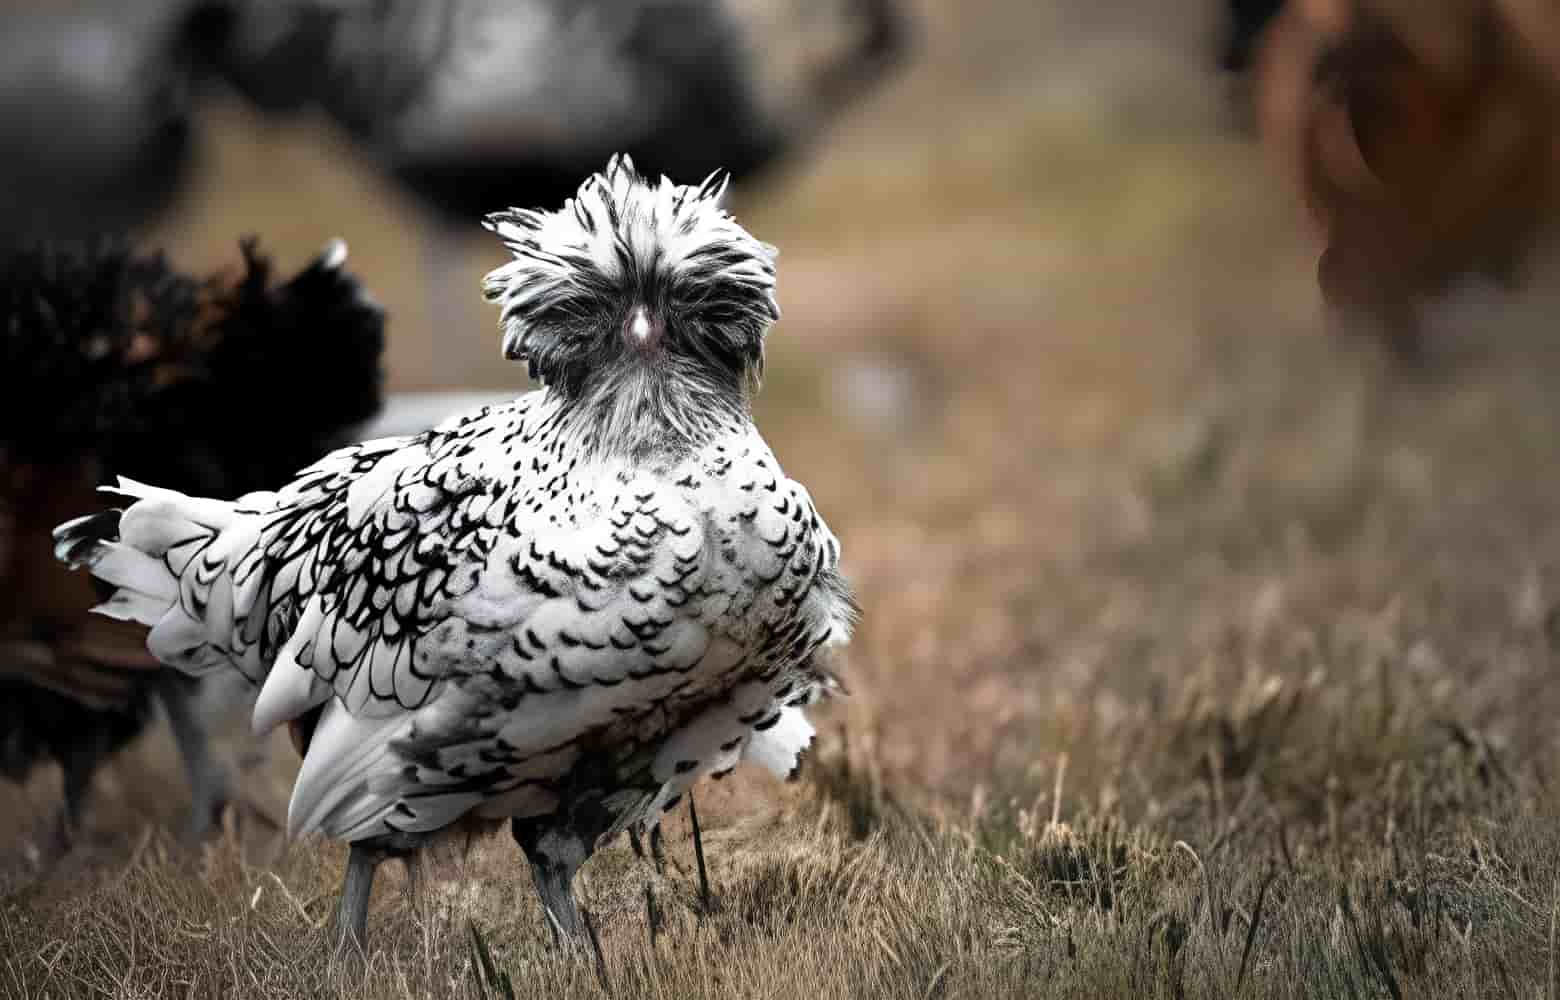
145,587
131,569
76,540
183,641
161,522
129,606
144,552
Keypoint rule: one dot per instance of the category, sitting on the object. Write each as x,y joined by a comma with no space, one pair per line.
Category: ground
1205,652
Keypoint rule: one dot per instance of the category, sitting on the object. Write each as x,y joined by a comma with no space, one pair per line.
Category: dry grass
1203,654
854,897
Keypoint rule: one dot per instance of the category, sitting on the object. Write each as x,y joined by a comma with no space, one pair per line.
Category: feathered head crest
622,243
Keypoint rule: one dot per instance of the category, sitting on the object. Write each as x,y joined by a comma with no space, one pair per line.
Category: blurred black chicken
95,114
479,104
112,364
474,105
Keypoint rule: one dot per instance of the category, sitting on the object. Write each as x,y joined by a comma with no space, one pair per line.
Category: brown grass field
1205,654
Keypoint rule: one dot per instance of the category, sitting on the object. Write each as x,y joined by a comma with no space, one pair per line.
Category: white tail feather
129,606
130,569
144,553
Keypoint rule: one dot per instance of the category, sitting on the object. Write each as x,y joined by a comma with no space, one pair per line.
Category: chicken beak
641,329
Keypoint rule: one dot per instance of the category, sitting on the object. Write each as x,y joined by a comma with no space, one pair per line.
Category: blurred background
1153,361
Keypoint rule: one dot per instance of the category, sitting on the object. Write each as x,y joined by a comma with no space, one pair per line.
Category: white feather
124,566
332,793
779,747
289,691
129,606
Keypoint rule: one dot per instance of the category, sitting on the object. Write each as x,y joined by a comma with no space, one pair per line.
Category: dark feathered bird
472,104
475,104
113,364
1423,138
96,114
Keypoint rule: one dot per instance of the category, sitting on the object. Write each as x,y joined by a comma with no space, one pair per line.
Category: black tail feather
76,541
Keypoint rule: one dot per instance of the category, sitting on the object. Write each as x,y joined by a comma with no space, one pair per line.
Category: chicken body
561,611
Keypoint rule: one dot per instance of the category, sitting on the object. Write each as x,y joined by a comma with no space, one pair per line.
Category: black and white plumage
563,610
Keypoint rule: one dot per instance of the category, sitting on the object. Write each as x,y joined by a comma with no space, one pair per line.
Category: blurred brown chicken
112,364
1423,137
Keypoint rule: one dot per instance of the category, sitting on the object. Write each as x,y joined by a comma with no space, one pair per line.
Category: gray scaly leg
351,927
657,854
657,850
77,768
208,782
